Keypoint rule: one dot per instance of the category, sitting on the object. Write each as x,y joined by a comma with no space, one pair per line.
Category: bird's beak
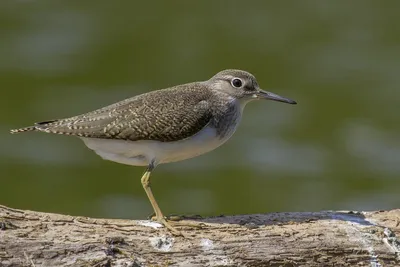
261,94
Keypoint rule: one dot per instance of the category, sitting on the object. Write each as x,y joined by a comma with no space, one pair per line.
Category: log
326,238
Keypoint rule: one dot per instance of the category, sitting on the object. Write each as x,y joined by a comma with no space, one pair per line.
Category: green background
339,148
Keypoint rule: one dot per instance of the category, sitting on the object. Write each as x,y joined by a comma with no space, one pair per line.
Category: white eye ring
236,82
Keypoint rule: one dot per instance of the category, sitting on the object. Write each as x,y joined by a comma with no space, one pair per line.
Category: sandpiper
166,125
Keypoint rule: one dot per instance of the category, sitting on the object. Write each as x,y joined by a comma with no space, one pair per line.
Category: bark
327,238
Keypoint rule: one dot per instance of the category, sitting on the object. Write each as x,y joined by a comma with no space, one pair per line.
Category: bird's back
164,115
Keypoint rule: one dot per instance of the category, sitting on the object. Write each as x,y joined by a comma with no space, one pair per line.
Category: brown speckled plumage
165,115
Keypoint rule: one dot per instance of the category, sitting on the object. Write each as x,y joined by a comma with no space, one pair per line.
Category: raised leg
159,215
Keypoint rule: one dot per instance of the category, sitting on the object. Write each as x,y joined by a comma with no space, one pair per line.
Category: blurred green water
337,149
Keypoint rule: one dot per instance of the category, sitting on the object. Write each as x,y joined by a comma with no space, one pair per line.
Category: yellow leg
159,215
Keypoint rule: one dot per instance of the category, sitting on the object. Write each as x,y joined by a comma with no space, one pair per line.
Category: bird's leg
159,215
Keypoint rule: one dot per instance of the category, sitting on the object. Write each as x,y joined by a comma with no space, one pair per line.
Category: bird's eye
237,83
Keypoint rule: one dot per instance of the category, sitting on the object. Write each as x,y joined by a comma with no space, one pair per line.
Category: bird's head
243,86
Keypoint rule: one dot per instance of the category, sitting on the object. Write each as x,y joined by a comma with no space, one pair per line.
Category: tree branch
325,238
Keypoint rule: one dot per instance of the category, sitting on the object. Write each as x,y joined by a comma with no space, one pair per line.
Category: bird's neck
226,116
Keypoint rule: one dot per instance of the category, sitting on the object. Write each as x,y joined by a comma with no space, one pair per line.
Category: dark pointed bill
271,96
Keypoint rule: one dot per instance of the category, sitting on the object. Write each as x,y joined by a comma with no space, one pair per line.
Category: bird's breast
227,118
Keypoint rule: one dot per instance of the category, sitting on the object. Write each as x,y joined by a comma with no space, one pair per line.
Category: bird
166,125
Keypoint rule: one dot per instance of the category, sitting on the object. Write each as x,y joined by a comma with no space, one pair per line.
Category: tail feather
21,130
40,126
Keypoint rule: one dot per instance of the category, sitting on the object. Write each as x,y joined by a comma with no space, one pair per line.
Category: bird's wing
164,115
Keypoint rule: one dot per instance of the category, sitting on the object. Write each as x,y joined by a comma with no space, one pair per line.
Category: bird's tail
21,130
40,126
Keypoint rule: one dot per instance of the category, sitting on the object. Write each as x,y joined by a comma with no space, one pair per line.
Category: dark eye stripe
249,88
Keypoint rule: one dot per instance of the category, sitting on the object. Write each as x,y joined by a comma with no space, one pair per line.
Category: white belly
141,153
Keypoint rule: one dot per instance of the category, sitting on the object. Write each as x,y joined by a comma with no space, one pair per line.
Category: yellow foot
179,221
164,222
192,224
183,217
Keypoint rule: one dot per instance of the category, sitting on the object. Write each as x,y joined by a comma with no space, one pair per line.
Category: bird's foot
162,220
176,218
183,220
167,225
170,222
